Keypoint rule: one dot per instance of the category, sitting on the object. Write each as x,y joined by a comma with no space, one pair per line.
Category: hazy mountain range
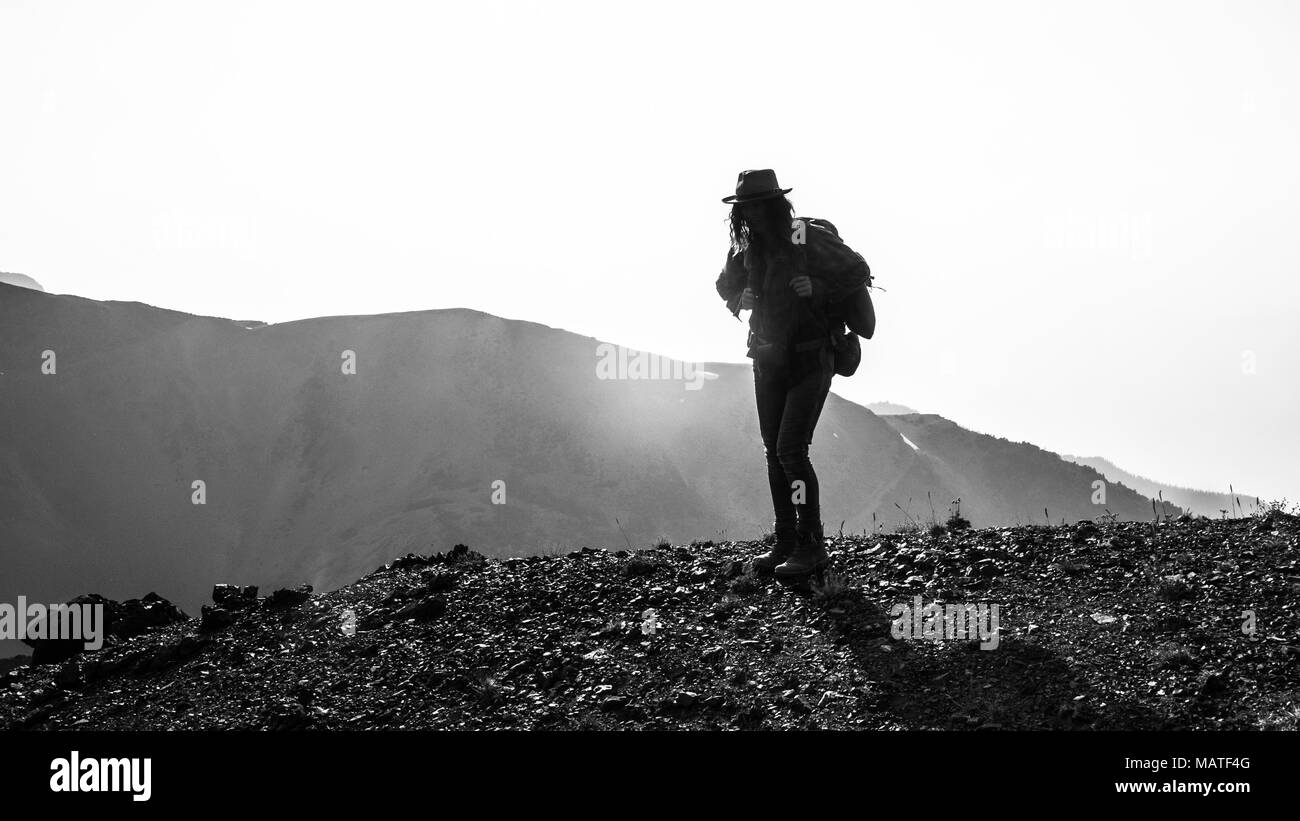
311,474
1201,502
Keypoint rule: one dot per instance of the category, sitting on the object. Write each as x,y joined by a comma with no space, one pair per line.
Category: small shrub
1275,509
641,565
956,521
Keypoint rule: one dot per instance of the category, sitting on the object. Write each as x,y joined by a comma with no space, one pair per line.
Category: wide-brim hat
756,185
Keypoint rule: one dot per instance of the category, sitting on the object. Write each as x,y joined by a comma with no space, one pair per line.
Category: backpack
854,310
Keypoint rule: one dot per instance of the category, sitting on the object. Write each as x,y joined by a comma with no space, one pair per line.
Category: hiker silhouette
791,273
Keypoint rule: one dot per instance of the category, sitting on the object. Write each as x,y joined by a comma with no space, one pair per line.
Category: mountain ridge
313,474
1199,501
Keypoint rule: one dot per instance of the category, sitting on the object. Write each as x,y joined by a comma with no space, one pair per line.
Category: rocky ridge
1102,626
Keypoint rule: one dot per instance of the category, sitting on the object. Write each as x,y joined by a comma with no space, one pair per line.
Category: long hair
772,236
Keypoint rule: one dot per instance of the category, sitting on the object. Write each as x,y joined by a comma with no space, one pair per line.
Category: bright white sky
1085,213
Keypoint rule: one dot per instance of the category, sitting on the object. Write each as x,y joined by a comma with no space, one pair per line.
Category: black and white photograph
593,391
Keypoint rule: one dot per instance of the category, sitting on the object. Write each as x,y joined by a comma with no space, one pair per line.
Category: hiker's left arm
731,283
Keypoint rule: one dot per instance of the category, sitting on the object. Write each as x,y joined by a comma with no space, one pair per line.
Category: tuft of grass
1172,656
1173,589
624,532
744,584
912,525
1288,719
486,689
591,723
829,588
726,608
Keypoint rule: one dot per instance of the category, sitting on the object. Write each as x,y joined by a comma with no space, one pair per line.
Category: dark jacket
781,317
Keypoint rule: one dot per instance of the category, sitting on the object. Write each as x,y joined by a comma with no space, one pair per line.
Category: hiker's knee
772,455
793,456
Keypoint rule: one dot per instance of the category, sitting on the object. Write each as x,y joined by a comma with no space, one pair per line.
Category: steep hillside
1014,482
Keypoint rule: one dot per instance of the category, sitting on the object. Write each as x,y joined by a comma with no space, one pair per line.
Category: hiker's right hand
747,299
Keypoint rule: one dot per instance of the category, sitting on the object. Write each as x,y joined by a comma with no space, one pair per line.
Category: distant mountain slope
889,408
20,280
1203,502
315,476
1003,481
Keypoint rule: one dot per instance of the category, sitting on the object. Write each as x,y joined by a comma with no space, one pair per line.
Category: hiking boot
785,545
808,557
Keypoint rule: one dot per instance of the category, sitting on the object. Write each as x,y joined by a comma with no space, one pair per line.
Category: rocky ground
1102,626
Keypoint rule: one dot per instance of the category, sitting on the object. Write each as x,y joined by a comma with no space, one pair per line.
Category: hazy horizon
1082,215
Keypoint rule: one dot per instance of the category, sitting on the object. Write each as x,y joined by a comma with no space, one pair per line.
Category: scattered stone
553,643
215,618
284,597
614,703
69,675
1211,684
423,610
121,620
231,597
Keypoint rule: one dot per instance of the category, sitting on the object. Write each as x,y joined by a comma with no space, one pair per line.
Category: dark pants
790,396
